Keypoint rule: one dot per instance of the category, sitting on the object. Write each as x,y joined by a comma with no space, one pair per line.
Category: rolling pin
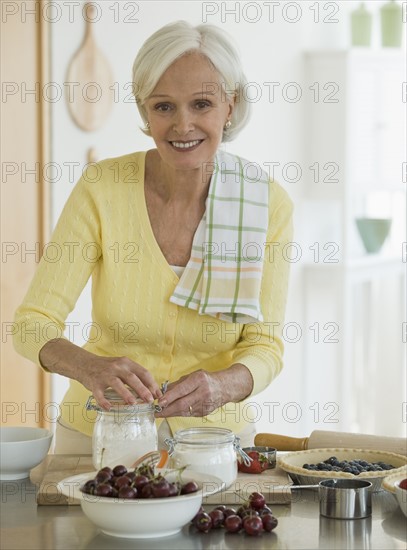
326,439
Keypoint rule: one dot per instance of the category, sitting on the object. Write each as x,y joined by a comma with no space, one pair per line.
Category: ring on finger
190,410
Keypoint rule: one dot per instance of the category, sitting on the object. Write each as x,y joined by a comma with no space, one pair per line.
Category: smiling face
187,111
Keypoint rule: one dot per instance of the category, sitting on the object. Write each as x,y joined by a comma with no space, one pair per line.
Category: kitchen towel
223,275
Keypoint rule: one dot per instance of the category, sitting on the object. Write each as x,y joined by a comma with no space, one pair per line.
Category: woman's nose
184,122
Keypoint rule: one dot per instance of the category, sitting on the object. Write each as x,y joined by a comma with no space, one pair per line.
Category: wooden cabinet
24,203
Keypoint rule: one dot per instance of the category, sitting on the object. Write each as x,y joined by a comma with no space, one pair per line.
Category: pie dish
292,464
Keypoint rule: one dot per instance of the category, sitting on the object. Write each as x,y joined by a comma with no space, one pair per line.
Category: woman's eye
163,107
202,104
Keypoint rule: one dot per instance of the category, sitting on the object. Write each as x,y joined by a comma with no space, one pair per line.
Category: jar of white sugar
124,433
210,451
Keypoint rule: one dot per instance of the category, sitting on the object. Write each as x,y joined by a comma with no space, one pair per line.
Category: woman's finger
99,395
148,380
123,391
181,407
177,391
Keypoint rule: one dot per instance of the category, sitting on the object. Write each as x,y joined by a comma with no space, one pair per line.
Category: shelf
362,262
358,270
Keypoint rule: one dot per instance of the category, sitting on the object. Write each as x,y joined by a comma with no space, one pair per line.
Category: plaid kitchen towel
223,276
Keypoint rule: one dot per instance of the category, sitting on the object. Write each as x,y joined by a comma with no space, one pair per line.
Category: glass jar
208,451
124,433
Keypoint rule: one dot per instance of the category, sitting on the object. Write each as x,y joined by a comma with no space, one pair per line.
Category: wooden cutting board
90,81
274,484
60,467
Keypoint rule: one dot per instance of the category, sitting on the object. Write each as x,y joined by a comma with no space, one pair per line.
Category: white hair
173,41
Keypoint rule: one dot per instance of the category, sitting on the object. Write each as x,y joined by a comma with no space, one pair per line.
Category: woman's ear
232,102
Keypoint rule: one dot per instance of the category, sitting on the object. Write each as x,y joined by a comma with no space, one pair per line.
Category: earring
227,125
147,126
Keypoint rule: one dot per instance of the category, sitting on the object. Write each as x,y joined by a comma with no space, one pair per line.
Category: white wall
271,51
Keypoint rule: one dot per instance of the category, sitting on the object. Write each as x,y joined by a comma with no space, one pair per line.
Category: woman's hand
98,373
201,392
120,374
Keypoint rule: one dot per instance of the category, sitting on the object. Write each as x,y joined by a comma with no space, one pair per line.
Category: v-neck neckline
147,223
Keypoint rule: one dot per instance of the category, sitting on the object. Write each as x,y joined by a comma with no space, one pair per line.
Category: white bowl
391,483
141,518
401,495
21,449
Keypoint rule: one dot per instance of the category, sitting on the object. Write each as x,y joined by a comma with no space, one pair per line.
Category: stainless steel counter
26,526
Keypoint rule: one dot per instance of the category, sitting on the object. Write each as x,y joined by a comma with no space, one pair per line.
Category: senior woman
184,246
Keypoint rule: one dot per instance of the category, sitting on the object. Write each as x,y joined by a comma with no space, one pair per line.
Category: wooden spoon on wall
90,77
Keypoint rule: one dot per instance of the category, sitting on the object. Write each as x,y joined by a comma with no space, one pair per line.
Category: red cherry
140,481
127,492
403,484
257,501
122,481
103,476
119,470
229,512
265,510
193,520
190,487
203,522
253,526
221,507
217,518
269,522
233,524
103,490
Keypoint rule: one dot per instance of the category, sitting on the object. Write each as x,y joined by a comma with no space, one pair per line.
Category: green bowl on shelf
373,231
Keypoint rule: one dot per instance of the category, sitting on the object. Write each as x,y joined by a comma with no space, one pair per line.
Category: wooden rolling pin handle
281,442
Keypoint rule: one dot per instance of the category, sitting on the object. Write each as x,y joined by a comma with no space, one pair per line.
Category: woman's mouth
186,145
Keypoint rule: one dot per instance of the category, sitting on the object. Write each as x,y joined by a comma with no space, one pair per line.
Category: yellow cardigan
104,232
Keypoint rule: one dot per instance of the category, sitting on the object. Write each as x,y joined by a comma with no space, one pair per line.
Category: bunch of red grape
253,517
139,483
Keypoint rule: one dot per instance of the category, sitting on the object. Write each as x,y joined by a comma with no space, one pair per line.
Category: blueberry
331,461
388,467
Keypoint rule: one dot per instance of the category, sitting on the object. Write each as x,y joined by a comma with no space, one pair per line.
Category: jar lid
204,436
118,405
112,396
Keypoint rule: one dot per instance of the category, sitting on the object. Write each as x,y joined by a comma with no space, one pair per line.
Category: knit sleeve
260,347
63,271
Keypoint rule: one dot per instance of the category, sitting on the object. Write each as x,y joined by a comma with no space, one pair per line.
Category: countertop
24,525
